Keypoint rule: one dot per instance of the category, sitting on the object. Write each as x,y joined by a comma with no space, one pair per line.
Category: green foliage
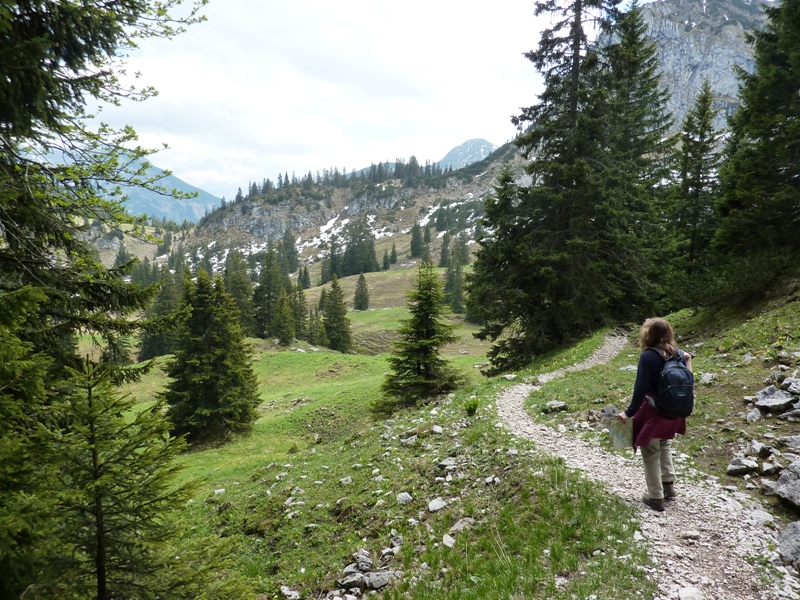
576,248
117,494
361,296
417,243
337,325
471,406
158,337
239,285
290,250
760,200
284,326
271,282
393,255
212,389
417,370
454,286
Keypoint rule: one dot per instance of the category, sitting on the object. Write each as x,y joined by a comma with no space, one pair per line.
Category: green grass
540,530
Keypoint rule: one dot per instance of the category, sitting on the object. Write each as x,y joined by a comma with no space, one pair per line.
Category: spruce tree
417,243
240,286
361,296
284,325
290,250
213,389
417,369
393,254
694,197
118,482
426,234
300,313
444,256
158,338
760,202
386,261
562,256
265,297
454,286
337,325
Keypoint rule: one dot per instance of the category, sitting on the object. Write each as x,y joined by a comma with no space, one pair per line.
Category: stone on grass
436,504
792,416
792,442
791,385
448,541
346,480
356,580
708,378
409,441
290,594
461,525
753,416
554,406
760,517
378,579
771,399
741,466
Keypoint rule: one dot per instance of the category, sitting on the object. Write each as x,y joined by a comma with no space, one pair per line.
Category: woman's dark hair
658,334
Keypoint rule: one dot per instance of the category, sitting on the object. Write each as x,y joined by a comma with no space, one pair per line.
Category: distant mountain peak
467,153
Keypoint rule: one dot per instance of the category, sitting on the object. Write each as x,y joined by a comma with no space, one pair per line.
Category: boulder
708,378
789,544
461,525
289,594
690,593
771,399
791,441
404,498
791,385
356,580
788,484
792,416
741,466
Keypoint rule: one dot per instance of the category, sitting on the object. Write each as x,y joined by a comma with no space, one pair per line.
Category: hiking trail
704,545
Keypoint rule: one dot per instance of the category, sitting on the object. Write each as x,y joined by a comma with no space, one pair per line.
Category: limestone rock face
698,39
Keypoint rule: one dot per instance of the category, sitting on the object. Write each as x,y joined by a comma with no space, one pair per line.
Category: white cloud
263,88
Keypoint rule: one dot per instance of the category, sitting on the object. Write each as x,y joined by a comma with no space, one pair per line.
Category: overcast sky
266,87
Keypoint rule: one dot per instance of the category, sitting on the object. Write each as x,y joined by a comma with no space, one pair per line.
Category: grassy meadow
318,476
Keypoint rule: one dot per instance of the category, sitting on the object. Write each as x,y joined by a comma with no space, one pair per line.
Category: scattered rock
707,378
629,368
690,593
690,534
461,525
741,466
409,441
789,544
346,480
448,541
378,579
788,484
554,406
509,377
436,504
356,580
760,517
771,399
404,498
290,594
791,385
792,415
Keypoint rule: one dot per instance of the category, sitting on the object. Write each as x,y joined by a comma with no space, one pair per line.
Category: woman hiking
652,432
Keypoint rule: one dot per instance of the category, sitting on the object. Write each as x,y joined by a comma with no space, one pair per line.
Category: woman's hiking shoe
654,503
669,490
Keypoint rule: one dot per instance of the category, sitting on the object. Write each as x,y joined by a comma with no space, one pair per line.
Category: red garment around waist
648,424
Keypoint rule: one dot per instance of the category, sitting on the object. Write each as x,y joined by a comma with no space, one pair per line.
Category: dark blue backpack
675,396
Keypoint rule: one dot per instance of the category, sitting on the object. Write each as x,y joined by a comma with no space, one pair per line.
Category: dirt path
704,543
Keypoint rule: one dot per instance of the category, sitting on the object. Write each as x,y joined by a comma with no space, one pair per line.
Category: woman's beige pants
657,457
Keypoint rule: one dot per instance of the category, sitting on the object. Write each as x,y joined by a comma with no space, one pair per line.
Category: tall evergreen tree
386,261
213,389
760,176
265,297
562,256
361,296
444,255
426,234
300,313
393,254
284,326
118,492
359,255
693,212
290,249
417,369
337,325
158,337
417,243
454,286
239,285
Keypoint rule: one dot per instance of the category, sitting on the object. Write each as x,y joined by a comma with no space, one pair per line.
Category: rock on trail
702,546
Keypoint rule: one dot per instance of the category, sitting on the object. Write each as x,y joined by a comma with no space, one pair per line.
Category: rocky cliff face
698,39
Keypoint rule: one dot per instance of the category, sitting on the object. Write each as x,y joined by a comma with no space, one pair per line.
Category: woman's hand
623,417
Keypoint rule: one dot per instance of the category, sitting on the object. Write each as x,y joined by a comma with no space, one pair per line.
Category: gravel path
703,545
